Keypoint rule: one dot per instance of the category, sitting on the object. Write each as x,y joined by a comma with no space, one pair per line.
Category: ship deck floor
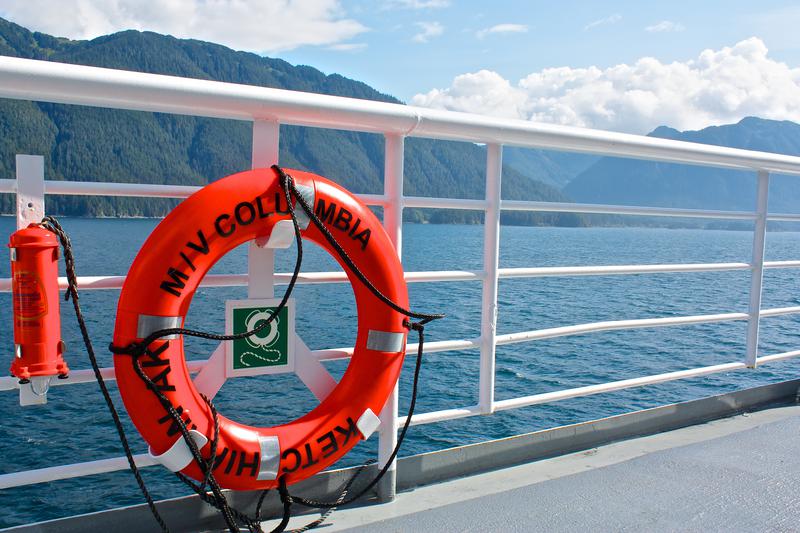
734,474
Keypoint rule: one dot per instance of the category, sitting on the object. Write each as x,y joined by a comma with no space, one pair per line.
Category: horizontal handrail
611,325
330,354
315,278
47,81
137,190
280,278
335,354
611,386
88,468
608,270
53,473
778,357
780,311
783,217
155,190
444,203
603,209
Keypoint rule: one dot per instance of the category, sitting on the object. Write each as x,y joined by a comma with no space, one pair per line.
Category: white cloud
665,26
348,47
484,92
419,4
718,87
254,25
502,28
428,30
611,19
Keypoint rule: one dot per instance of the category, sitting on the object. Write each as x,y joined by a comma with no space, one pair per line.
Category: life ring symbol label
268,351
270,334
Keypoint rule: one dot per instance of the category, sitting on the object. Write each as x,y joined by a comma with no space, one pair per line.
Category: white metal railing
268,108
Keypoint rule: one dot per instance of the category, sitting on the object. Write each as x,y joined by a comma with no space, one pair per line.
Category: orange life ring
159,289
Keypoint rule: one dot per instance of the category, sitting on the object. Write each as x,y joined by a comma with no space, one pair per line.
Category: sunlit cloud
428,30
605,21
502,28
419,4
717,87
348,47
665,26
252,25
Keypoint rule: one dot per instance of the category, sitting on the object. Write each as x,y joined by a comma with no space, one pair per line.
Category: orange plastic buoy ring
158,291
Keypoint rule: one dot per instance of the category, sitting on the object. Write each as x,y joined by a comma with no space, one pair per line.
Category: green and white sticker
268,351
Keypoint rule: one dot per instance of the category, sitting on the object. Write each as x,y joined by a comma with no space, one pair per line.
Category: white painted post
260,271
30,189
393,222
491,254
30,210
260,259
757,268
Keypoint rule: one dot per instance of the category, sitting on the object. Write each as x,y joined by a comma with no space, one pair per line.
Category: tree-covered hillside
92,144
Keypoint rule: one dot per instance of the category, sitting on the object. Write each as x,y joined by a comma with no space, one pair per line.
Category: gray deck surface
735,474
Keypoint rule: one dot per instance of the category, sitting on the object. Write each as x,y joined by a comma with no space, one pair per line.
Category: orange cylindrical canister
37,321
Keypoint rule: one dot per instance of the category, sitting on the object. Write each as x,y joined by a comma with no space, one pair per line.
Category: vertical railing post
393,223
757,268
30,210
30,189
261,260
491,258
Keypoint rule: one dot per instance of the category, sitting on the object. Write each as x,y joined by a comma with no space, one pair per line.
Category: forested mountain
627,181
548,166
92,144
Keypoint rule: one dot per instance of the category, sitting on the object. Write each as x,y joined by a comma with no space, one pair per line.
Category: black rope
339,501
53,225
221,502
318,504
216,498
136,350
289,181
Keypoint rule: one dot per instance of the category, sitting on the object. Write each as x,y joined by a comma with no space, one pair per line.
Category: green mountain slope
91,144
548,166
627,181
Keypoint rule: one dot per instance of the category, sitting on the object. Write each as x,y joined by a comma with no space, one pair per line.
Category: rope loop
216,497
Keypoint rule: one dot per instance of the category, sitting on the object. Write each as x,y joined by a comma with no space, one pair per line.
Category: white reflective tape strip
282,235
307,192
270,458
13,254
179,456
150,323
385,341
367,423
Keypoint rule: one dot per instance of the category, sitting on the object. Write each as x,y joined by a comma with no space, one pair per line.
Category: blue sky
557,35
626,66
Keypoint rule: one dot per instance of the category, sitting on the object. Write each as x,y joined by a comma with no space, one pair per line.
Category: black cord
339,501
53,225
138,348
217,498
287,179
406,424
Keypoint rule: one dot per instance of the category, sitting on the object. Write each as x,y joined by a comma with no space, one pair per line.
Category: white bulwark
270,351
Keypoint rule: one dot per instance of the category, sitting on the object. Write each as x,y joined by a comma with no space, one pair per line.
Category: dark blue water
75,426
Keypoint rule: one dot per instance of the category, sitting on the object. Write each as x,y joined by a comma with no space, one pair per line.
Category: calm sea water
75,425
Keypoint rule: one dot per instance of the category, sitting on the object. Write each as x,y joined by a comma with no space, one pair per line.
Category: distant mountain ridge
94,144
631,182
